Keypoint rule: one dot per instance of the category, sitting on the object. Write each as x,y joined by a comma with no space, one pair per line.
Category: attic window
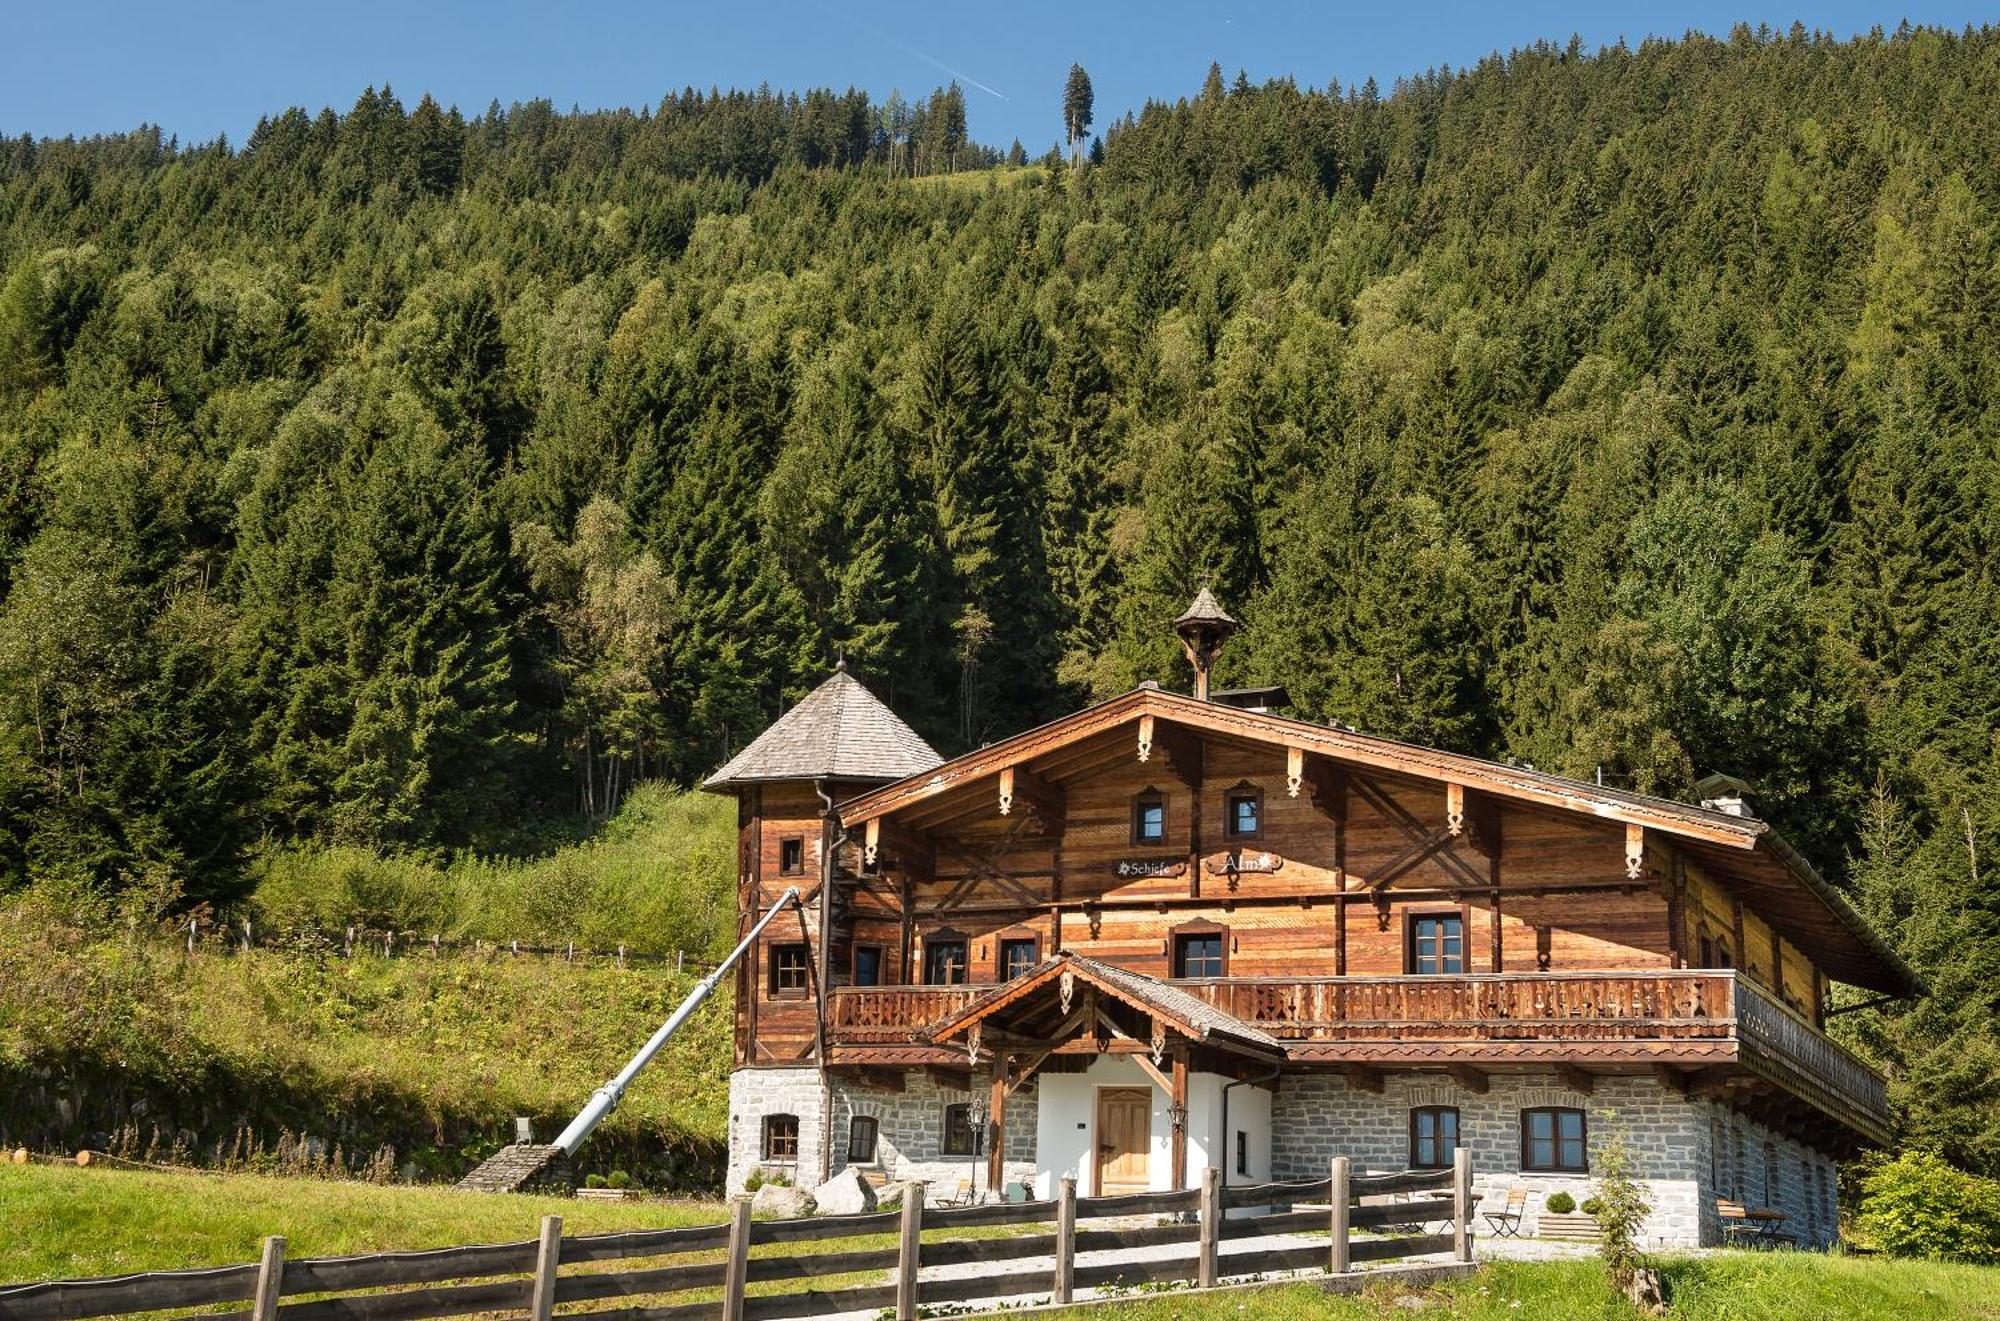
791,855
1244,812
1149,817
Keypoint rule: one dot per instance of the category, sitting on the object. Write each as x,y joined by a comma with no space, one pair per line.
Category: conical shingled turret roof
841,731
1205,609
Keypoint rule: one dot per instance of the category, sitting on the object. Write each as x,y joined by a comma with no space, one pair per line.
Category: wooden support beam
1047,802
1367,1079
996,1125
1177,1112
1471,1079
1577,1080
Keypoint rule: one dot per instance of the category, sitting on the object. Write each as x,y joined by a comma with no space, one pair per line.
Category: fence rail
197,936
462,1280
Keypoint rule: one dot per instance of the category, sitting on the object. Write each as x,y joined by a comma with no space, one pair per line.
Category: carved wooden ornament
1145,738
1635,851
1295,771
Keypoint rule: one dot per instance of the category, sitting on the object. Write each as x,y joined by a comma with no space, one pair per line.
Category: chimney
1204,626
1724,793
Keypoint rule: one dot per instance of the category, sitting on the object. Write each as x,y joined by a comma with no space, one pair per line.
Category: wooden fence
1213,1244
199,936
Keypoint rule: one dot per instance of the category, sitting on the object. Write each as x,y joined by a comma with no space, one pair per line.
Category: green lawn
1731,1286
65,1223
62,1222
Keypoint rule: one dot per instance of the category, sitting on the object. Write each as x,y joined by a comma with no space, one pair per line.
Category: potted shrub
1561,1220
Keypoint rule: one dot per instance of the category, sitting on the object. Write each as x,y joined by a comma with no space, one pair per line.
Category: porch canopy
1072,1005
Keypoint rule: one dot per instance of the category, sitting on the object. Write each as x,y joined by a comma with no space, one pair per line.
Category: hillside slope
406,482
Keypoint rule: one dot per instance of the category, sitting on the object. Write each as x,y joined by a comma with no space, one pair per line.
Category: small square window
1433,1136
958,1137
790,973
1245,819
1437,945
861,1135
1198,954
791,855
1018,955
944,963
781,1137
1149,818
1554,1140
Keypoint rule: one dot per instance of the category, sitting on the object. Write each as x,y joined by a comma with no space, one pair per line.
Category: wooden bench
1752,1224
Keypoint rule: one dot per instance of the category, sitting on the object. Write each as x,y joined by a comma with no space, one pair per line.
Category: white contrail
908,49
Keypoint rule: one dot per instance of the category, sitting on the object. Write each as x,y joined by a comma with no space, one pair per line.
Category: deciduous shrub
1560,1204
1917,1205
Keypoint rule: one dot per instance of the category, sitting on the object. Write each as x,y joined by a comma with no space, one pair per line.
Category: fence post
737,1273
347,951
1211,1225
1337,1197
1065,1239
1461,1204
191,922
246,935
270,1279
909,1248
548,1256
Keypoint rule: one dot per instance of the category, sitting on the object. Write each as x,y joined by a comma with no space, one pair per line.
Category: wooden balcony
1703,1023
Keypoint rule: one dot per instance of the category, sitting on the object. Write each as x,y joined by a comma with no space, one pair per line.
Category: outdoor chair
1506,1221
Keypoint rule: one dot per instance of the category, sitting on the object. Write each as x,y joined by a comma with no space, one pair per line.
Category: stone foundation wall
1319,1116
909,1126
1688,1151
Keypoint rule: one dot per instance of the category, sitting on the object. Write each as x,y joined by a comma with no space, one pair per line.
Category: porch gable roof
1185,1013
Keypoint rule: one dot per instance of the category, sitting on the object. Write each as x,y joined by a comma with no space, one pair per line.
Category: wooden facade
1368,904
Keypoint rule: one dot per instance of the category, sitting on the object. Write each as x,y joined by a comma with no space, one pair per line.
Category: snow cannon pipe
605,1099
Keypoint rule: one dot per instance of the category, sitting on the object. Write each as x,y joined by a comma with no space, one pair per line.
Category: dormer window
1149,817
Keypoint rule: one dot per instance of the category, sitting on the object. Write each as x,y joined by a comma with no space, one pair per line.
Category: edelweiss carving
1454,808
1159,1042
972,1044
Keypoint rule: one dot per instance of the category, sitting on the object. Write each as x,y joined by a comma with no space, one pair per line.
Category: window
1198,954
1017,955
957,1140
944,962
1149,818
789,970
781,1137
861,1131
867,965
1243,814
1552,1139
1437,944
1242,1152
1433,1136
1770,1174
791,855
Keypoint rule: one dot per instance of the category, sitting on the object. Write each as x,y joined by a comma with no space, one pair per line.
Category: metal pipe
605,1099
1228,1138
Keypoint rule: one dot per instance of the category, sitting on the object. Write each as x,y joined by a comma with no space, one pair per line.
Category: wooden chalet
1172,930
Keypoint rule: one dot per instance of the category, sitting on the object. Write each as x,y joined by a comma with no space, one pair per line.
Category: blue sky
199,68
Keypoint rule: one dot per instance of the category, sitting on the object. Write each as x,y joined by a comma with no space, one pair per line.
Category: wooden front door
1124,1137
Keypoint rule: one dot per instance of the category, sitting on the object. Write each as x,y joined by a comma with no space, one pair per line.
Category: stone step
522,1167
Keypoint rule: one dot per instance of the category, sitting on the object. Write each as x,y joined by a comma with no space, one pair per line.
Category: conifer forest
423,481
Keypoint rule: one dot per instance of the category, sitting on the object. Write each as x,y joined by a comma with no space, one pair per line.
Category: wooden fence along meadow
817,1278
210,937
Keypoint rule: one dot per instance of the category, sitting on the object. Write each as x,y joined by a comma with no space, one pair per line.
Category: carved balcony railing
859,1015
1780,1040
1691,1017
1480,1007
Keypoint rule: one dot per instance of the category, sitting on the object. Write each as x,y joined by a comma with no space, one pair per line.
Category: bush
753,1181
593,1181
1917,1205
618,1179
1620,1208
1590,1206
1560,1204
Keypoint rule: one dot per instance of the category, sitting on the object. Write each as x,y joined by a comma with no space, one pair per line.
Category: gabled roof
1182,1010
840,731
1746,851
